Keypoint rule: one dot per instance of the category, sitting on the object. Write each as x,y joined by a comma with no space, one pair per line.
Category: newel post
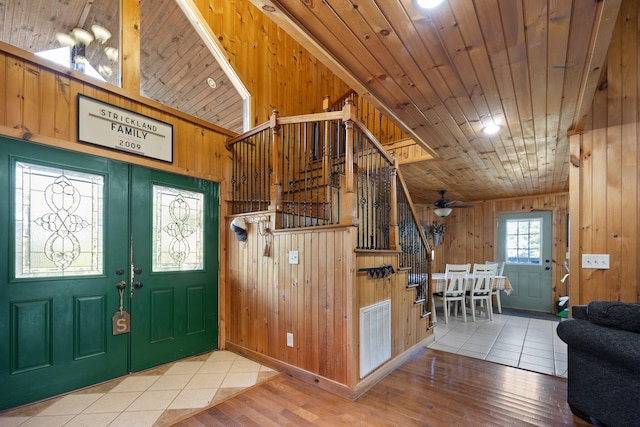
394,231
276,163
349,213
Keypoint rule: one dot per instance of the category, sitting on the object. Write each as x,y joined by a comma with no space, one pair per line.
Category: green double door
105,269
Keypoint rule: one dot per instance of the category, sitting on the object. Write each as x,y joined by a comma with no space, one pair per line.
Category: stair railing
328,169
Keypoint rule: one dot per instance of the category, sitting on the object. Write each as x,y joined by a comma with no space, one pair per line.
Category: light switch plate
293,257
598,261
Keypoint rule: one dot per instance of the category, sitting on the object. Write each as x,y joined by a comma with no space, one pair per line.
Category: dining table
439,283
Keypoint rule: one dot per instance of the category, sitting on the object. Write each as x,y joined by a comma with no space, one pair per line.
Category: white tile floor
525,343
156,397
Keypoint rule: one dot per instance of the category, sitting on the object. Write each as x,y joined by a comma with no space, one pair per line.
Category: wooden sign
109,126
121,323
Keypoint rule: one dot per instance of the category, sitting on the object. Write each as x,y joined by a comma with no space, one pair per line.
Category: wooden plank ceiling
175,62
530,66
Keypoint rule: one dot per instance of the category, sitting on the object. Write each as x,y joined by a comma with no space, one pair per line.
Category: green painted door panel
57,326
531,282
175,251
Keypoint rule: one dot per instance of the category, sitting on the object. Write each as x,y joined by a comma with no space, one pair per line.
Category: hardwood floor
433,388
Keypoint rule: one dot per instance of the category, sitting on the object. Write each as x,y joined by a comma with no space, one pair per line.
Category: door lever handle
121,285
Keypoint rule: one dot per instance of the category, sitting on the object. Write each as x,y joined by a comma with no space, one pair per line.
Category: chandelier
79,39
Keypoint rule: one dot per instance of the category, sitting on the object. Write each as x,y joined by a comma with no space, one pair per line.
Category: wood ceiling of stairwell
175,62
530,65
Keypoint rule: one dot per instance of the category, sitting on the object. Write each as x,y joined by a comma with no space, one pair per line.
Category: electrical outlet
289,339
293,257
598,261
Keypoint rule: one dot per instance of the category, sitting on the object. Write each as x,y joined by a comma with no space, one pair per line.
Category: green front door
174,290
75,226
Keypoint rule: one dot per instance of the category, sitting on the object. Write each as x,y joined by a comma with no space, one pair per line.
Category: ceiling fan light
442,212
82,36
428,4
101,33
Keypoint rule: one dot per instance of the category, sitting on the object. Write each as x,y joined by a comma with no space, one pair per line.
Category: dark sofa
603,340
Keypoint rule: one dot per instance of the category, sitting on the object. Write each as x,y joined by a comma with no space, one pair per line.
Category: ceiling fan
443,207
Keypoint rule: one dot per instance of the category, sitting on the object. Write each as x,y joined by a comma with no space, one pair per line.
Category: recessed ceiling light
491,129
212,83
428,4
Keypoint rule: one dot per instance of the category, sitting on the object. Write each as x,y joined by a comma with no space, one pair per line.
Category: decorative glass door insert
177,221
59,218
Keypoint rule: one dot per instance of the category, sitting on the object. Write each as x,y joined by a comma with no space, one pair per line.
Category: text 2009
129,144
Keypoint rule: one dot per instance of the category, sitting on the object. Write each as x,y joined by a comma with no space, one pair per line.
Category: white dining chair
496,292
480,291
456,268
454,291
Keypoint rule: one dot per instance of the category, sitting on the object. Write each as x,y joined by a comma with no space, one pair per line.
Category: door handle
137,270
119,272
121,285
547,268
138,285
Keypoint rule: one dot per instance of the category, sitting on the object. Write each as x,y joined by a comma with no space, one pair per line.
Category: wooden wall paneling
294,82
4,100
62,95
329,315
283,295
585,214
15,94
575,217
316,272
44,104
606,197
488,224
47,125
256,325
612,199
407,325
324,335
627,236
298,297
305,301
130,46
260,295
31,113
599,209
341,314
